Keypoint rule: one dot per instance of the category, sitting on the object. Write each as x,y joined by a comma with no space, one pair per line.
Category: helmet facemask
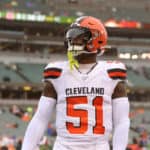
77,39
76,43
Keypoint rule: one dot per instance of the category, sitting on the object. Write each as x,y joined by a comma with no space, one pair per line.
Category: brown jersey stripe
117,70
53,69
52,73
117,73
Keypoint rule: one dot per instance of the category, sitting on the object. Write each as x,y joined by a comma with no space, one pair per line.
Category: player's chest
78,84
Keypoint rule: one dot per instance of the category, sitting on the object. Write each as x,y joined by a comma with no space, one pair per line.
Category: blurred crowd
142,142
139,138
10,143
13,143
24,114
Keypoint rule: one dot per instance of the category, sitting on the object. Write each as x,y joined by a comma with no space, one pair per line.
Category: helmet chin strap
75,50
72,61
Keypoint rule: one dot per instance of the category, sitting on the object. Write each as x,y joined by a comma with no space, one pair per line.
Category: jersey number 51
83,115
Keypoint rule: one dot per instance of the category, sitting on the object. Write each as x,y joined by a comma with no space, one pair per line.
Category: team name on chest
84,91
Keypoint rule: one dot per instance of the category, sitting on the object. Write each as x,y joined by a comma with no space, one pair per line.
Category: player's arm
39,122
121,120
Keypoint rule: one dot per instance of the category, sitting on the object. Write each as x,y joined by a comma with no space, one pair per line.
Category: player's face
85,58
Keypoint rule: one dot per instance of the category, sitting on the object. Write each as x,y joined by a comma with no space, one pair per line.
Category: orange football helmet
86,34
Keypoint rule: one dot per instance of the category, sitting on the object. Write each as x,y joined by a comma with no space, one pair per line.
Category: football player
89,95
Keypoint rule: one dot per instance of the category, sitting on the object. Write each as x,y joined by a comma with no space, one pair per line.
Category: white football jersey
84,103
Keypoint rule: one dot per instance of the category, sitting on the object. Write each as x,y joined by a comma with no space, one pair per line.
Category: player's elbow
123,123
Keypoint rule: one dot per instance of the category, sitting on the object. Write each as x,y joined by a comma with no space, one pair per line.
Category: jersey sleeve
117,71
51,72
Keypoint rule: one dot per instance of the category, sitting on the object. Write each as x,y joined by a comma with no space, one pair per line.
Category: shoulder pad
52,71
116,70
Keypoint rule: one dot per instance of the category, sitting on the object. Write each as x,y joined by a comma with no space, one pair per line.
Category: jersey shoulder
116,70
53,70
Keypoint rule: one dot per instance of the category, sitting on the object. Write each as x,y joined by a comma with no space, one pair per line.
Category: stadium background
31,35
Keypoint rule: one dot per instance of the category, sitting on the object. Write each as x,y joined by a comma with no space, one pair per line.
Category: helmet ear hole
100,42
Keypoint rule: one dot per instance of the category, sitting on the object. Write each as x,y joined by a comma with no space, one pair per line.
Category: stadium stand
124,9
137,79
33,72
26,47
8,74
146,71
